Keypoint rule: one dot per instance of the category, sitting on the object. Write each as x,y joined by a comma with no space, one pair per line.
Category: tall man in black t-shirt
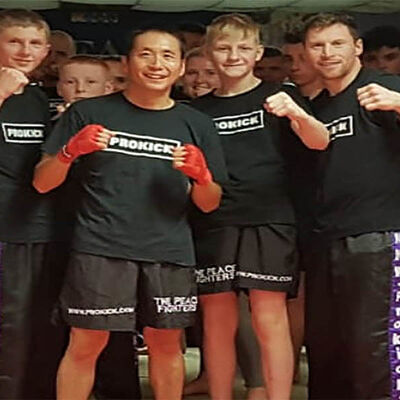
132,238
352,289
28,279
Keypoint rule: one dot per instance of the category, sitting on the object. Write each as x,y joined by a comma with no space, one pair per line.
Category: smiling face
333,51
234,54
200,76
23,48
155,62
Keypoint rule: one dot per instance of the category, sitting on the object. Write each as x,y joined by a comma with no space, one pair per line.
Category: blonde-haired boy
250,242
225,24
30,273
83,77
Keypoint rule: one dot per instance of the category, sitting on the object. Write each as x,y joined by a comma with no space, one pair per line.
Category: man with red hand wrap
124,237
190,160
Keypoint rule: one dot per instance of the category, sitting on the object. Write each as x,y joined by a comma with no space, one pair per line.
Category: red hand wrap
195,165
83,142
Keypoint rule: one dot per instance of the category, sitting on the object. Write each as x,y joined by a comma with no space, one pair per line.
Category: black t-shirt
260,152
359,173
134,204
303,184
54,99
25,215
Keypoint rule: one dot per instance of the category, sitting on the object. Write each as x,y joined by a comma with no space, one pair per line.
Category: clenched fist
89,139
190,160
12,81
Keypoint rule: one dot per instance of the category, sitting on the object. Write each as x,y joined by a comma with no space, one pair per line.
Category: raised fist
12,81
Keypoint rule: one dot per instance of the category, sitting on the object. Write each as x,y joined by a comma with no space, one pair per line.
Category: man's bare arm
312,132
51,171
205,193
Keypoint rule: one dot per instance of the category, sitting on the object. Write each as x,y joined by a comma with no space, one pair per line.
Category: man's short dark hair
381,36
295,31
111,57
325,20
293,37
271,51
192,27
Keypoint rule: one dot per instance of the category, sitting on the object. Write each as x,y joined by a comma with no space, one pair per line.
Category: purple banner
1,289
394,321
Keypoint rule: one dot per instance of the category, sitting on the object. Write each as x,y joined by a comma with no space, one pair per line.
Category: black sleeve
44,101
201,103
67,126
206,137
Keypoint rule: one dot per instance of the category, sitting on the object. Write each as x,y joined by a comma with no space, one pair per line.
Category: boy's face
200,77
300,70
81,81
155,62
23,48
234,55
118,74
385,59
271,69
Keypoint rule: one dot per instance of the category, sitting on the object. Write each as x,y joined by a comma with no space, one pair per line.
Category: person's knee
220,313
267,320
165,341
86,344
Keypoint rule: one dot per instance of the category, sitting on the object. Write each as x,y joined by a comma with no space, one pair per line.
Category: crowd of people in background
203,181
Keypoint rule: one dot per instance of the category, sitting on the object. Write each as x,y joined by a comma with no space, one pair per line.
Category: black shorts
107,293
31,347
255,257
353,319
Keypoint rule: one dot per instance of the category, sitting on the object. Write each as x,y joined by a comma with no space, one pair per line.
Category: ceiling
370,6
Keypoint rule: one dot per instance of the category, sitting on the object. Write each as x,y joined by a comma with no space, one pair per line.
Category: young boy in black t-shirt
132,243
83,77
249,243
30,346
352,285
